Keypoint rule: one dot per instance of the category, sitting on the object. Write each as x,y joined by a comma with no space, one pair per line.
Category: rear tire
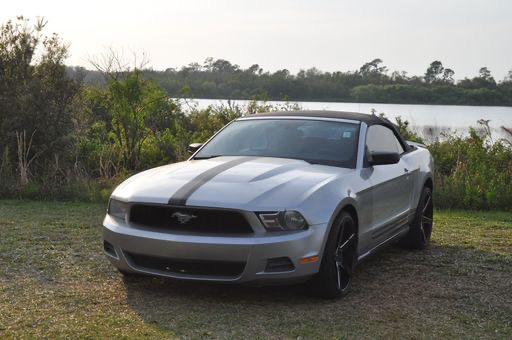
421,227
335,276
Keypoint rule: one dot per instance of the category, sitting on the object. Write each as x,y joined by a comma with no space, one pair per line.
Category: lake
428,120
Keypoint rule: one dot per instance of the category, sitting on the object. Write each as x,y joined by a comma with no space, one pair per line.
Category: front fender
348,203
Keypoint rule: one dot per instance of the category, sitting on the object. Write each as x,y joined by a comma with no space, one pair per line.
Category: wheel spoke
343,276
346,242
342,259
423,232
426,219
341,232
338,254
339,239
338,273
427,204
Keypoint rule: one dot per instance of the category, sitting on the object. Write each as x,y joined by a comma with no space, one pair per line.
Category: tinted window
381,139
315,141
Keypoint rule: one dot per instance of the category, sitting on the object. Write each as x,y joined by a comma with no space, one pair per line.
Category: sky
331,35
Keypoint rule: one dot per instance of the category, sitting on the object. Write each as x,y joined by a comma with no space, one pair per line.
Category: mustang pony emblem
183,218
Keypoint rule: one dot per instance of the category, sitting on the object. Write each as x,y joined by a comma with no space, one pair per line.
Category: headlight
283,220
118,209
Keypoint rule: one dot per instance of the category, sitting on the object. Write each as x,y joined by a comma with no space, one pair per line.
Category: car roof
362,117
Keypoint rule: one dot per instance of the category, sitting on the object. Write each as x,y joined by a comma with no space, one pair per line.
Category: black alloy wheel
335,276
343,255
427,216
420,229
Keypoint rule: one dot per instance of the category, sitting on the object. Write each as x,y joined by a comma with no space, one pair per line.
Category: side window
381,139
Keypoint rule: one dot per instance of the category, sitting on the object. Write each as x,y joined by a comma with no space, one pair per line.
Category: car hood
248,183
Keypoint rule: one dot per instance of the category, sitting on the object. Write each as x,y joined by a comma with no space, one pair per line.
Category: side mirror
192,148
383,158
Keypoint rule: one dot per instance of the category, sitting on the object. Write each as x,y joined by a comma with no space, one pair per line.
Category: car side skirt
401,232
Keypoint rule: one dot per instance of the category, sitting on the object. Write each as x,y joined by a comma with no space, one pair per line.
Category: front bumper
253,251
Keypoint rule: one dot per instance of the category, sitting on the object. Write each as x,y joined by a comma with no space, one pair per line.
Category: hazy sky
294,34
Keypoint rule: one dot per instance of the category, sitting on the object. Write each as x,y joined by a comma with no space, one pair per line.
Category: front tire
335,276
421,227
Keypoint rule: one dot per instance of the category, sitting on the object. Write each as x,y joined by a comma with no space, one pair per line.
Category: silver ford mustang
276,198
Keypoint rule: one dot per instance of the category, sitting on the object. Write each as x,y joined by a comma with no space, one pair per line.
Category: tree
254,69
485,79
373,67
448,76
221,65
134,102
208,64
373,70
36,95
434,71
399,77
509,76
484,73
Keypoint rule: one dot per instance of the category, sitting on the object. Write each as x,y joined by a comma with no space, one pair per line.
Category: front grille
190,220
187,267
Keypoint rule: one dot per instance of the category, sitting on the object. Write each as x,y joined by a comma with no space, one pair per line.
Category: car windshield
314,141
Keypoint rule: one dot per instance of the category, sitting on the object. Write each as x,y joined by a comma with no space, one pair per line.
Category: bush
94,166
472,172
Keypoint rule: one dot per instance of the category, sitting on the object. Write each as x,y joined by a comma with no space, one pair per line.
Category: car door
391,185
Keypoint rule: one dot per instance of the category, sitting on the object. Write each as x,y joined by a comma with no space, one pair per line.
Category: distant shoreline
334,102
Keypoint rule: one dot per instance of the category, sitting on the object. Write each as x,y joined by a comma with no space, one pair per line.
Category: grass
55,282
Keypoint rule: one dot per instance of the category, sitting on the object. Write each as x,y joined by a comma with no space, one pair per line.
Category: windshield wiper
207,157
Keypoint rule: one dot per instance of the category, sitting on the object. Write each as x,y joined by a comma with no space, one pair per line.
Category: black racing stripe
181,196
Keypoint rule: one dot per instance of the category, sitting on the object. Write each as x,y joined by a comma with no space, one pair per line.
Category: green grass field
55,282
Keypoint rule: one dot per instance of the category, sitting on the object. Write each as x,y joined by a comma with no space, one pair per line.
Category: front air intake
279,264
186,267
109,249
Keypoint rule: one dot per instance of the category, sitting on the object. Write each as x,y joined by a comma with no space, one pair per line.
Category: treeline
371,83
61,138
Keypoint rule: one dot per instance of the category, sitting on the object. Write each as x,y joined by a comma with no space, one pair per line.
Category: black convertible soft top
362,117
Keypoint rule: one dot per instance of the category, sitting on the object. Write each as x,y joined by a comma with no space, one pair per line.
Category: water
428,120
